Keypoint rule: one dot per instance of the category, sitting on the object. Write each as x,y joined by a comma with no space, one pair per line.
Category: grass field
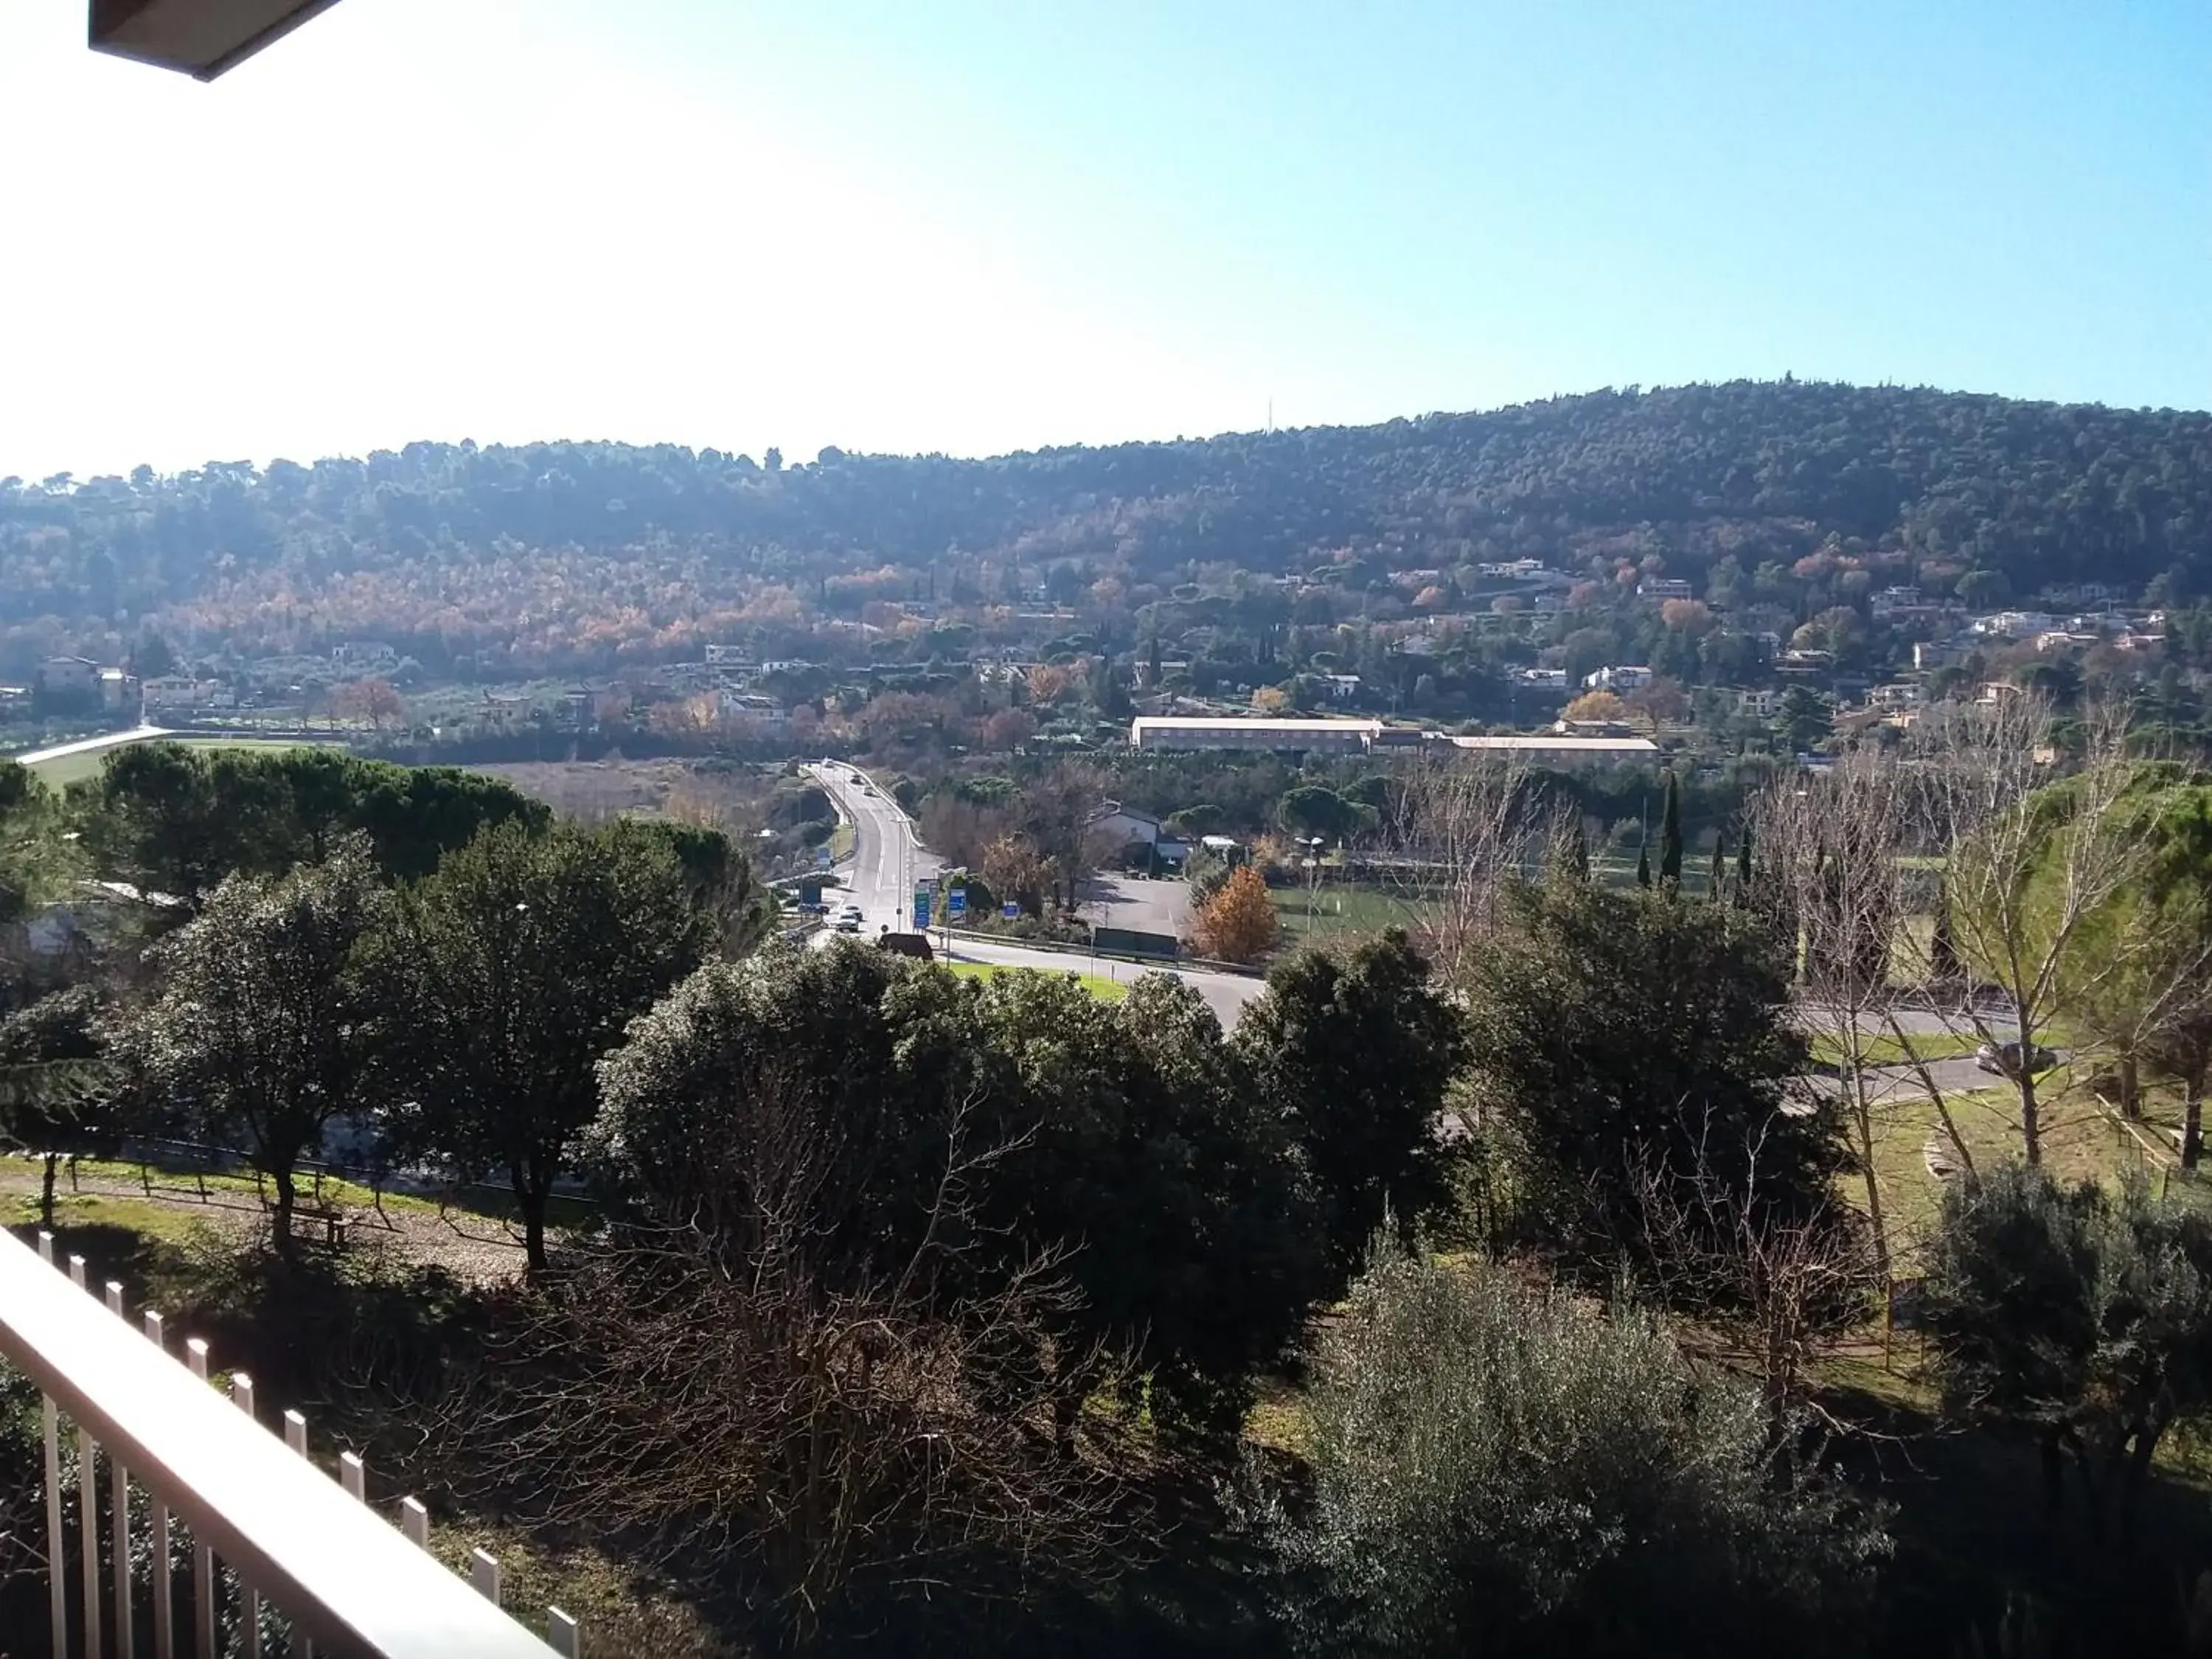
2079,1142
1881,1048
1340,910
68,768
1106,990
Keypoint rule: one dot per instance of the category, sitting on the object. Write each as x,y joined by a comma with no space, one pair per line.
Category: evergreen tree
1574,852
1717,879
1642,866
1670,838
1638,1052
1743,867
1942,955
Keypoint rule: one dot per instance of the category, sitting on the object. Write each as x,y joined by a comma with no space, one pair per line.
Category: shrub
1498,1470
2083,1314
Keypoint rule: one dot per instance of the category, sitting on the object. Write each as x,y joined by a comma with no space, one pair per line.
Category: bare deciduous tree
1457,827
1829,844
737,1385
1783,1290
2027,869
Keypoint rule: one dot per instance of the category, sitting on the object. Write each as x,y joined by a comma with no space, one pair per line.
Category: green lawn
491,1200
2079,1142
68,768
1881,1048
1105,989
1341,910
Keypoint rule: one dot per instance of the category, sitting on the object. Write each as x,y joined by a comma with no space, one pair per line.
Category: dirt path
477,1249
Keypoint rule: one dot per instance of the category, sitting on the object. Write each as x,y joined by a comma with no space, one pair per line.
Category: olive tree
2082,1314
1499,1469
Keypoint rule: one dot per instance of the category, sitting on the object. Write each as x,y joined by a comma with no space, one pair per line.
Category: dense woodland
580,557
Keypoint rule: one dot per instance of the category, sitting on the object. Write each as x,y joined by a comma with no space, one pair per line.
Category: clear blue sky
948,226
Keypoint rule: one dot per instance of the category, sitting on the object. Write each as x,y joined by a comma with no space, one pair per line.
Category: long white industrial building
1254,734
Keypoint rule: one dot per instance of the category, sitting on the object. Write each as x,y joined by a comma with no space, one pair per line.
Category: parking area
1137,903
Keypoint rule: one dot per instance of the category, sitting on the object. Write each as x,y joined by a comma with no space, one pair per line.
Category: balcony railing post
118,1479
414,1521
562,1634
87,1507
295,1440
196,1357
241,1391
353,1475
484,1573
50,1423
165,1589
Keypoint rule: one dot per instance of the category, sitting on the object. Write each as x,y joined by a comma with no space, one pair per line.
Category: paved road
1137,903
887,858
1953,1076
86,745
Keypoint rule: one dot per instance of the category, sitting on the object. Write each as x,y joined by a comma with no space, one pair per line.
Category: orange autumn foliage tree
1237,924
1596,706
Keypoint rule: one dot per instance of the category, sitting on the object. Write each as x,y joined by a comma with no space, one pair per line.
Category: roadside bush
1499,1471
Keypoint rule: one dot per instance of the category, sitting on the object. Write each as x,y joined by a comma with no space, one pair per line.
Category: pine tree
1670,838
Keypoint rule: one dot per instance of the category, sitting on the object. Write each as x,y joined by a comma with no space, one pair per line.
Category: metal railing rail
354,1586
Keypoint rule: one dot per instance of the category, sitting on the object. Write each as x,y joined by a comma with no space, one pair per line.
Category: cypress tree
1718,880
1642,866
1743,866
1570,857
1942,955
1670,836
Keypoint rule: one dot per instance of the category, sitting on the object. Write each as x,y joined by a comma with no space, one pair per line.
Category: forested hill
567,547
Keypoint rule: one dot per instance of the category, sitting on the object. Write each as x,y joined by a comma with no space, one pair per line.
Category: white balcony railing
266,1522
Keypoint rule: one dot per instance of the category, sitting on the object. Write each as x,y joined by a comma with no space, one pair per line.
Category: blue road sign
956,904
921,909
1010,911
822,859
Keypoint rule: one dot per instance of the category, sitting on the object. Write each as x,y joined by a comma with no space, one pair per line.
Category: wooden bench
1941,1156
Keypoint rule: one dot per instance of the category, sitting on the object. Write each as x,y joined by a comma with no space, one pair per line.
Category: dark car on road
2002,1059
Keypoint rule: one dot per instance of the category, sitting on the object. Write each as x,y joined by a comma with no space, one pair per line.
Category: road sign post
922,897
